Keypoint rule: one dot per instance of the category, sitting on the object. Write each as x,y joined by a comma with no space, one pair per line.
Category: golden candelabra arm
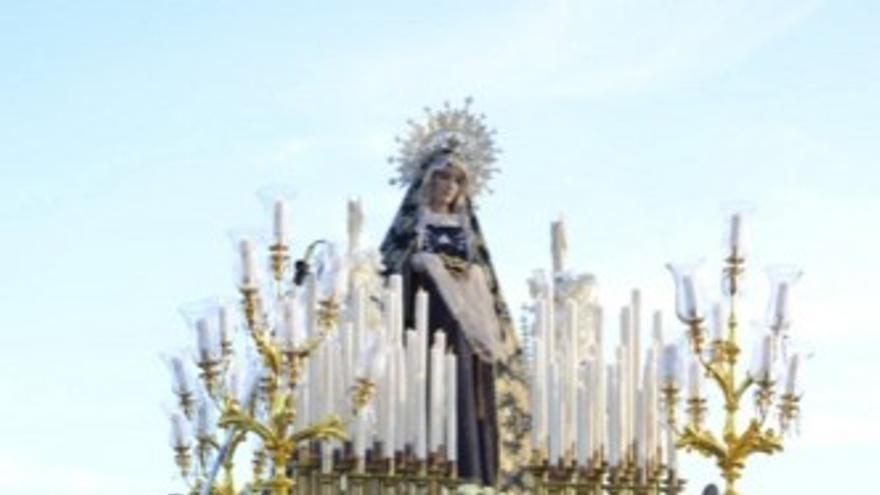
363,392
279,258
789,409
183,459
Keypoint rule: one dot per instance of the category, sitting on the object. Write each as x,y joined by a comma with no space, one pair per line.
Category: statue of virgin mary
436,244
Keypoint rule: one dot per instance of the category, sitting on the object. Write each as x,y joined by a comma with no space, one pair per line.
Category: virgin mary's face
446,185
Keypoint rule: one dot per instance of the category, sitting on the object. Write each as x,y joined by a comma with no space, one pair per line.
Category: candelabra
731,446
308,338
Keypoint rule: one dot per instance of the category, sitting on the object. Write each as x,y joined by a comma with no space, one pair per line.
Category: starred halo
449,128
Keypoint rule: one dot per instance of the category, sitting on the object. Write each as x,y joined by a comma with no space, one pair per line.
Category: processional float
307,382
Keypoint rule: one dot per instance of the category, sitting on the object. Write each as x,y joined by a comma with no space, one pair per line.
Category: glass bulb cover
689,291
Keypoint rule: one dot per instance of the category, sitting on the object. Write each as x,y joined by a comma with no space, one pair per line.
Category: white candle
401,395
421,313
624,437
355,224
180,375
640,429
287,335
312,305
539,396
224,320
205,338
179,431
421,401
389,442
657,331
583,438
670,364
359,320
791,377
279,227
437,403
635,350
671,455
559,244
205,425
690,296
248,263
613,415
451,408
651,406
571,376
411,392
695,378
555,415
360,438
346,339
395,285
735,234
781,311
766,357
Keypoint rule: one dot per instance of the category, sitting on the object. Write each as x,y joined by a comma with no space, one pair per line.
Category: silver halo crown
454,129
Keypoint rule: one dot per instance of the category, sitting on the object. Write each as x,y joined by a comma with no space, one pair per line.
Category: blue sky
135,135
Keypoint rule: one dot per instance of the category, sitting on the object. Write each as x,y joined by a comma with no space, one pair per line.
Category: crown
450,130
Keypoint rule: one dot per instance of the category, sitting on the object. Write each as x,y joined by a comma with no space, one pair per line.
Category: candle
781,310
287,335
650,407
559,244
205,425
451,408
224,319
766,357
613,438
421,402
791,377
735,234
695,378
411,392
401,395
421,313
583,439
312,305
389,441
671,455
657,331
279,220
539,397
248,263
395,285
624,360
571,375
208,350
360,438
358,323
690,296
670,364
180,375
555,415
635,349
640,429
437,404
355,224
179,431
